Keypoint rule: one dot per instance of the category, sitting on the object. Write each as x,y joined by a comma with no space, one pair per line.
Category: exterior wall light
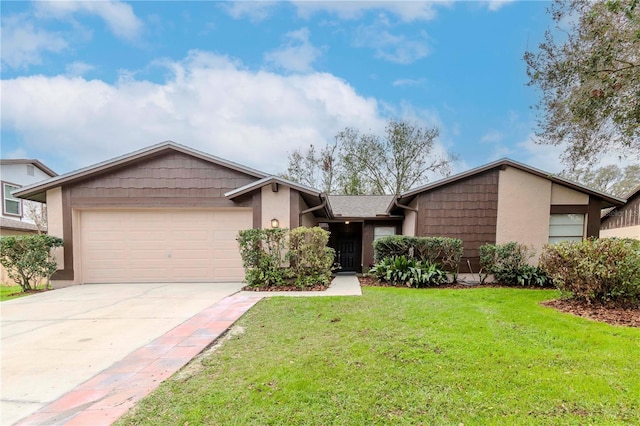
275,223
346,222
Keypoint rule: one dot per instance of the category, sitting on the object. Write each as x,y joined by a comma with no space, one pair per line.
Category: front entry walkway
108,395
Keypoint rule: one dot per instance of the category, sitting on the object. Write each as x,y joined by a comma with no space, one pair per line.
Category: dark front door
348,253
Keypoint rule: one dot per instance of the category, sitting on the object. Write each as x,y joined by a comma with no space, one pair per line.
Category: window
12,205
566,227
383,231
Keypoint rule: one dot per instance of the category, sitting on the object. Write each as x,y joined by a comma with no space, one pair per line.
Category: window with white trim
11,205
383,231
566,227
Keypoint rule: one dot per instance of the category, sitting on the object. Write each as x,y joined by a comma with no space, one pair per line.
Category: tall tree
611,179
314,169
399,160
589,76
364,163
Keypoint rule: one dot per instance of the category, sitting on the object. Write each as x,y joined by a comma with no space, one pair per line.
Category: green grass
402,356
8,292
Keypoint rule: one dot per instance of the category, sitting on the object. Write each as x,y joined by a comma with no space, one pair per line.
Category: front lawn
403,356
11,292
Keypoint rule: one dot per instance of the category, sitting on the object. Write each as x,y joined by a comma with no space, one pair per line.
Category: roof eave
36,189
614,201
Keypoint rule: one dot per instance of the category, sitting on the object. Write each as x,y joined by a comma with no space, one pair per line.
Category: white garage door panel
161,245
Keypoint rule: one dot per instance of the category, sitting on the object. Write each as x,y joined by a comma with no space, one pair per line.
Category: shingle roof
360,205
16,225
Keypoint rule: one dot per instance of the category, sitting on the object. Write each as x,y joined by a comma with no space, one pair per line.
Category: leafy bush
264,258
445,252
509,265
605,271
400,270
310,258
29,259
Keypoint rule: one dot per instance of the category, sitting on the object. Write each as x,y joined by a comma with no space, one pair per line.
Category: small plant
400,270
604,271
509,265
29,259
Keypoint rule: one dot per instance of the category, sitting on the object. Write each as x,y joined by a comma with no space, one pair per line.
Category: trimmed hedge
597,271
442,251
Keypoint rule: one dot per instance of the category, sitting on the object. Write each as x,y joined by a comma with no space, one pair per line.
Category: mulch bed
317,287
613,316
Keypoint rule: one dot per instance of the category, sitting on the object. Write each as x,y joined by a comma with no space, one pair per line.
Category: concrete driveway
54,341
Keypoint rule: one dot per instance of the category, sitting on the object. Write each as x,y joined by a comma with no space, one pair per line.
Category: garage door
119,246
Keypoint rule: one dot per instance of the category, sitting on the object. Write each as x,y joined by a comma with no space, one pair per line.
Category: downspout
312,209
405,207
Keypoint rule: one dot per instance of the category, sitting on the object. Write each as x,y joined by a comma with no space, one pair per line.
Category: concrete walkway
52,342
108,395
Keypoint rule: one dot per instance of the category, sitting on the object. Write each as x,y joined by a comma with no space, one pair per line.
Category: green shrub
443,251
265,262
400,270
310,258
262,252
29,259
605,271
508,263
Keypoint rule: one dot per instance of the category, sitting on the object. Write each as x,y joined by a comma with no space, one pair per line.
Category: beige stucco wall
626,232
523,209
275,205
561,195
409,222
55,226
308,219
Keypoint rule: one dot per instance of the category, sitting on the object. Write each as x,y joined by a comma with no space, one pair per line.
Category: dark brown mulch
613,316
317,287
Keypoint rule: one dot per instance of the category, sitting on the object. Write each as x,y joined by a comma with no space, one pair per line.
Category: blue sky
251,81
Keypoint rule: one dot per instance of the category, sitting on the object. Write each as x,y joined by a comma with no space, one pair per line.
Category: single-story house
623,221
169,213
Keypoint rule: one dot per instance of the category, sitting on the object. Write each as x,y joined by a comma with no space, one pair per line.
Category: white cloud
400,49
409,82
297,54
23,44
549,157
255,11
208,102
118,16
494,5
78,68
407,11
492,136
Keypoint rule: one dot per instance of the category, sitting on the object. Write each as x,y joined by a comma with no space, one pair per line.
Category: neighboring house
623,221
16,218
169,213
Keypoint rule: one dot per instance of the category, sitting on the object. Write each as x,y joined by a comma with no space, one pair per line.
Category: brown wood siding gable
168,180
467,210
621,217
